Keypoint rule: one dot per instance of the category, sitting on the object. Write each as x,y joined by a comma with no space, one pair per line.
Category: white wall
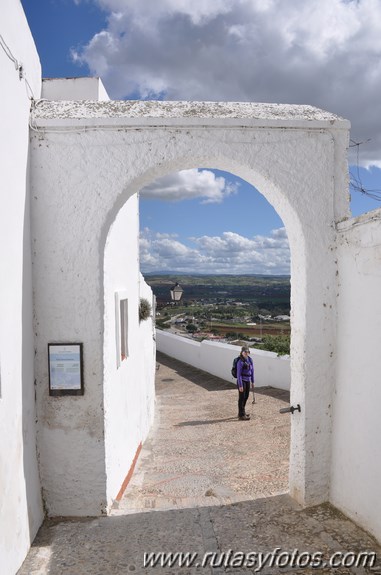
147,349
217,358
74,89
79,244
68,304
128,388
21,510
356,462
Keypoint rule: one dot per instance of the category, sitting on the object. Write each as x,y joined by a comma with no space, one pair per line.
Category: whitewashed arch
88,160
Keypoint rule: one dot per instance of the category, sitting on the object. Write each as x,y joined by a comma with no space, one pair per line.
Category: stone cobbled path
199,453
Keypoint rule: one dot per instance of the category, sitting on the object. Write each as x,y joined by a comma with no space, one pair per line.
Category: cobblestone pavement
206,483
199,453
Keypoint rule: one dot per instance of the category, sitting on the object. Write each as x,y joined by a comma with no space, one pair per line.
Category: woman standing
245,377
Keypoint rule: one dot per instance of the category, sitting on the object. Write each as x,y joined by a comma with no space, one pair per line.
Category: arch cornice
48,114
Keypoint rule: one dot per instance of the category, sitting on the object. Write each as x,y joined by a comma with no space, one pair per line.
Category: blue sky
325,53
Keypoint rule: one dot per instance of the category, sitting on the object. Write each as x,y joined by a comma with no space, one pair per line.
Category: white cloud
229,253
151,11
190,184
325,53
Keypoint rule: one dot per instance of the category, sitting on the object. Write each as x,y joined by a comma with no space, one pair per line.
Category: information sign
65,369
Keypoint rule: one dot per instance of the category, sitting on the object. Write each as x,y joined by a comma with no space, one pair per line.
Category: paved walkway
204,483
199,453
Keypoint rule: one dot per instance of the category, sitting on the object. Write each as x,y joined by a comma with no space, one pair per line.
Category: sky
325,53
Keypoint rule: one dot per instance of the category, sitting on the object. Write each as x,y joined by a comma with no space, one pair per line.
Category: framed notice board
65,368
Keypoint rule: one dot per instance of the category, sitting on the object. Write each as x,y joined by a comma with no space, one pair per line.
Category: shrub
280,344
145,309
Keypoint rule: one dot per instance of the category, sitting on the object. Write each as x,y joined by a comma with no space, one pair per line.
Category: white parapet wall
217,358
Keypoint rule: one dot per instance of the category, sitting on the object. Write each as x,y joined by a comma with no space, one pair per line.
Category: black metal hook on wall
290,409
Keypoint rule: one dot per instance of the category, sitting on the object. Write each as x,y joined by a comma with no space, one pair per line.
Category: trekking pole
252,387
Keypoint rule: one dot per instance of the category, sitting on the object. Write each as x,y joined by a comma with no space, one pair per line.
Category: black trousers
243,397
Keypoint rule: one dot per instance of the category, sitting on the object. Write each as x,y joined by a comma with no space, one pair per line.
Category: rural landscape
252,309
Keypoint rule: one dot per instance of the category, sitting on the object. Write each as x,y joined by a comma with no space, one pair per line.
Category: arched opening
125,407
225,244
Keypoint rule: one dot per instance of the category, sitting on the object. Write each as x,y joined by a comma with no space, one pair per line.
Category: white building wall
147,349
21,510
356,462
74,207
74,89
128,385
68,302
217,358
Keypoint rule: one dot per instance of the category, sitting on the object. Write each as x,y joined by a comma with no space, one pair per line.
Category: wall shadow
205,380
31,472
211,382
224,537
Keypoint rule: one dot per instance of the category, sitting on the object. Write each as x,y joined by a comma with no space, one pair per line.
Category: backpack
234,366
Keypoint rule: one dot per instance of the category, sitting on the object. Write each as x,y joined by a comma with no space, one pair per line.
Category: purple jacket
245,371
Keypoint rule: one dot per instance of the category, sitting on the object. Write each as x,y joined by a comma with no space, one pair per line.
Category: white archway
87,161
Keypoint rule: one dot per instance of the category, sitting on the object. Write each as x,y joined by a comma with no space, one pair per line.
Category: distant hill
214,278
265,291
174,274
